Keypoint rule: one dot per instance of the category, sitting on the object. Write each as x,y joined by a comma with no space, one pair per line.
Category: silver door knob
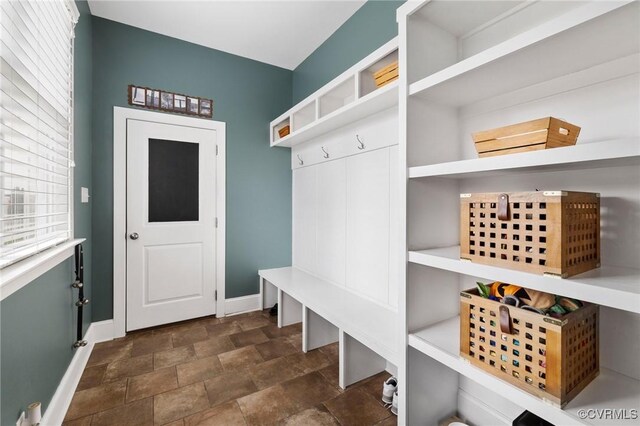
134,236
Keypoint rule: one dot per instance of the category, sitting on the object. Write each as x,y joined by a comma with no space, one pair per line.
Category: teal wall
38,322
247,96
369,28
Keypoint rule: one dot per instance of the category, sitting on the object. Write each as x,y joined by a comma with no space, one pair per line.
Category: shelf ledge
617,152
610,390
612,286
16,276
376,101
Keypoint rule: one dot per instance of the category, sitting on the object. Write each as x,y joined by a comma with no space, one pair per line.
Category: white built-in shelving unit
348,98
467,66
343,281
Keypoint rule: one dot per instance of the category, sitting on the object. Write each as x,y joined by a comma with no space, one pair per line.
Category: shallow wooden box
386,75
284,131
550,232
553,359
531,135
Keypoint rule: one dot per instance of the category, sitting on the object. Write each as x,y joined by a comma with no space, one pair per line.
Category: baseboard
59,404
102,331
238,305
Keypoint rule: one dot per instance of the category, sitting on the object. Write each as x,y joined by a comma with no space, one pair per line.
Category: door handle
134,236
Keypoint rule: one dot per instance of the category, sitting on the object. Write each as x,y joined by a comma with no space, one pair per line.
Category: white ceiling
281,33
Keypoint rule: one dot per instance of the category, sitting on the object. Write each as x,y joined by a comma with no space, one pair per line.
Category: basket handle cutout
563,131
503,207
505,320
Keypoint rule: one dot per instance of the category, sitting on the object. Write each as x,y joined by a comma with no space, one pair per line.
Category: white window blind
36,110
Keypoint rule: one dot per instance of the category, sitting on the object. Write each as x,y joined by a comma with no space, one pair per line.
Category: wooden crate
551,358
532,135
284,131
386,75
550,232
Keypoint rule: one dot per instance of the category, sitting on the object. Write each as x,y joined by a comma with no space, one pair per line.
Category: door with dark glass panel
171,211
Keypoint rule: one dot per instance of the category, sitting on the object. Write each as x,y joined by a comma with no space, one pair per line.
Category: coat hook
326,154
360,143
300,160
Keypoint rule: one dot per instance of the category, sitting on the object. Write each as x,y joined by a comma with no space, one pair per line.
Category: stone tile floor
239,370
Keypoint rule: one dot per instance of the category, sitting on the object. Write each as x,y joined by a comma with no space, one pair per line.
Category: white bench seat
370,323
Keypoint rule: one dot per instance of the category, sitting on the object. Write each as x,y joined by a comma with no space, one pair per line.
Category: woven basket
550,232
551,358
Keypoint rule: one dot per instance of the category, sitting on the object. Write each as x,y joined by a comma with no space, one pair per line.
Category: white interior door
171,223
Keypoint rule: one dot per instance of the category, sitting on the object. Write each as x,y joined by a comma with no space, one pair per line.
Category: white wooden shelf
369,322
469,66
346,99
379,100
610,390
619,152
612,286
527,59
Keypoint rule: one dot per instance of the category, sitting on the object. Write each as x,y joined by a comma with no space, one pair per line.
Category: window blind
36,111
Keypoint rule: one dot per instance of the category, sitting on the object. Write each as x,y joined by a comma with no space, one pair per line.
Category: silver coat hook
300,160
360,143
326,154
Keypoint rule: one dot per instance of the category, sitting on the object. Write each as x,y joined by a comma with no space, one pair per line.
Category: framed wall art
162,100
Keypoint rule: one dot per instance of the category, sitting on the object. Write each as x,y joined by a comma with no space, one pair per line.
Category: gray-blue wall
247,95
37,323
369,28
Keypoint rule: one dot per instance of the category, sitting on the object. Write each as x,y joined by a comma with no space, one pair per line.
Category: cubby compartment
367,75
510,39
280,126
341,95
434,359
304,116
603,104
437,392
617,186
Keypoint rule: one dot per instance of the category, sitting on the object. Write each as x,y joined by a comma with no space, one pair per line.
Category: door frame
120,117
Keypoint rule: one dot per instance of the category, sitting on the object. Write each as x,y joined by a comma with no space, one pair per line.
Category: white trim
102,331
120,117
59,404
18,275
239,305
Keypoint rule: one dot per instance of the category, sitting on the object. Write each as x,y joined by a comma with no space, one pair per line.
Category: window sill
14,277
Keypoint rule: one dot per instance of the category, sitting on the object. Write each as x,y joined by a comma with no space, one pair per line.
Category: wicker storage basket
551,358
386,75
284,131
532,135
550,232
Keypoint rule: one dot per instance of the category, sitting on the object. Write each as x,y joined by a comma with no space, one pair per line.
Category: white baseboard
238,305
102,331
59,404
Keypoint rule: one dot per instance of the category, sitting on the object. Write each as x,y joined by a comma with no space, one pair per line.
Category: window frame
24,270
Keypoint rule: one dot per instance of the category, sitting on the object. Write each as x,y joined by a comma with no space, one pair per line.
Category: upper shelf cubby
347,98
304,116
387,66
505,46
337,97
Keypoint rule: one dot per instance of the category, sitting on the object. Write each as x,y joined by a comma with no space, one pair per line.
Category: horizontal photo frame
163,100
